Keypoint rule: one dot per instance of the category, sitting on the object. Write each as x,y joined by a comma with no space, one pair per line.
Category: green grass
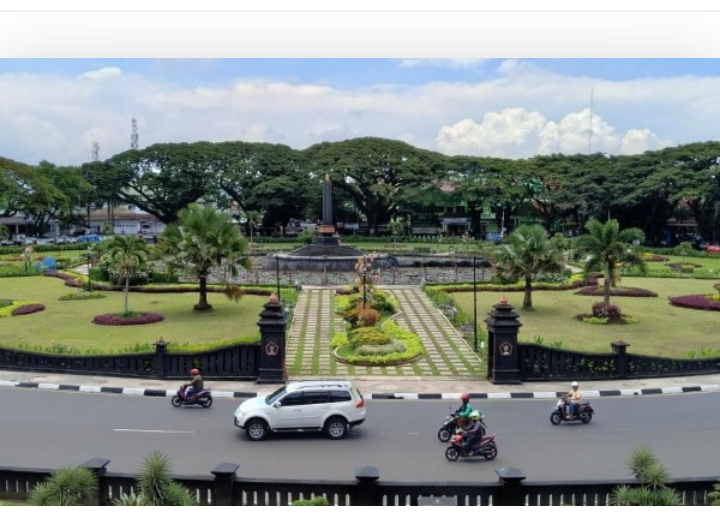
662,329
69,324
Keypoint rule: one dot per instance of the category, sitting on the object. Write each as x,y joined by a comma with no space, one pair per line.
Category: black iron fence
541,363
223,488
235,362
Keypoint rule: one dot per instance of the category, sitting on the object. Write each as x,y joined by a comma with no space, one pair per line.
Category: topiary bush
368,317
368,336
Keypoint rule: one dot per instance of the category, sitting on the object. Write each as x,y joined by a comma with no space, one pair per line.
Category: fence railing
223,488
541,363
236,362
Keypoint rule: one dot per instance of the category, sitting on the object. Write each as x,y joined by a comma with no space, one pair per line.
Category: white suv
302,406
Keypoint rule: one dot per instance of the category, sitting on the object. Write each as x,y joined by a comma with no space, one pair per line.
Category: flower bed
616,292
14,308
136,319
696,302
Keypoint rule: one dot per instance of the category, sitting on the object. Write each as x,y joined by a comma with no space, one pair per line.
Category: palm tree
67,486
127,254
155,485
396,228
606,247
203,239
527,253
654,482
253,222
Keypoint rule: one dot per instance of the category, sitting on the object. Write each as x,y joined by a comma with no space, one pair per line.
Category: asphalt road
54,429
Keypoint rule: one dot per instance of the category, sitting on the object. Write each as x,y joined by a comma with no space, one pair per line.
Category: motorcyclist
575,397
475,431
463,413
195,386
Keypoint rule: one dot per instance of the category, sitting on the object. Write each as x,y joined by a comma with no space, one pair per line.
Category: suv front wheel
336,428
256,430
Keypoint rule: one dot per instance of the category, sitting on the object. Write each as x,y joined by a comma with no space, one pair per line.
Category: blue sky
53,109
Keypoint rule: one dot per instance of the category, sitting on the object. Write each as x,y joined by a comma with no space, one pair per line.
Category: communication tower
134,135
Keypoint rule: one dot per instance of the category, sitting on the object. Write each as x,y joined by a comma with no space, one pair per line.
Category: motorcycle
450,427
202,398
559,414
459,448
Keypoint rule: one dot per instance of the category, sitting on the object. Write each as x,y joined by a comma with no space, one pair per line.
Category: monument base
327,240
267,376
506,377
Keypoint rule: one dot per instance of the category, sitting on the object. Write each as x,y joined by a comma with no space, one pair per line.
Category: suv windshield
275,395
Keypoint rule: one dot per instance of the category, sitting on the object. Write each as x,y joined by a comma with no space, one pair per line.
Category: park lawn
69,323
710,262
661,329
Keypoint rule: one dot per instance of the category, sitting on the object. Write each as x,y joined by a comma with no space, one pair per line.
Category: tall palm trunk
202,304
527,299
607,284
127,290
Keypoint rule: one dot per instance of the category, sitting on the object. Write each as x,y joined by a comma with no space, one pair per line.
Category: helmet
465,397
474,414
574,384
194,372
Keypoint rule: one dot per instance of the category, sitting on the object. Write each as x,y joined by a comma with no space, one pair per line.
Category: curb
590,394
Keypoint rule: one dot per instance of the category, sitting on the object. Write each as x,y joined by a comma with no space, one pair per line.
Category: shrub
368,336
368,317
27,309
163,278
609,311
318,500
380,350
66,487
654,482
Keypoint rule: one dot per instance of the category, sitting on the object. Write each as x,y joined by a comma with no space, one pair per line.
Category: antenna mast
590,133
134,135
95,151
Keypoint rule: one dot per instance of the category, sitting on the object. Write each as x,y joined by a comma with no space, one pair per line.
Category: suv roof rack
319,383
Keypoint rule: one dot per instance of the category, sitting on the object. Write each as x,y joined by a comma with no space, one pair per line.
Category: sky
54,109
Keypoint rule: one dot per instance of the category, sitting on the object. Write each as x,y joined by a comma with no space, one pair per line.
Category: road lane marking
138,430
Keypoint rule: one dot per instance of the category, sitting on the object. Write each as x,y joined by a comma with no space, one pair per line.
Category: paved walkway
315,323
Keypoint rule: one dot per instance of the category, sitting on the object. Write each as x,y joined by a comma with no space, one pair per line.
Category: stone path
314,323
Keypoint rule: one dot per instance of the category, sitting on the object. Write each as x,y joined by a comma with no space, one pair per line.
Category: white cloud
521,112
517,133
103,73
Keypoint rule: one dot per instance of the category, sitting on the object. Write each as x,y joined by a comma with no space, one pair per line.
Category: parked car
63,240
89,238
333,407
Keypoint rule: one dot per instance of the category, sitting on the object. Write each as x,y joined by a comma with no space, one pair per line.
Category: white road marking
137,430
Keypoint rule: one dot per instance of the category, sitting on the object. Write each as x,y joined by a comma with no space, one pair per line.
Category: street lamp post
364,274
88,253
277,277
475,326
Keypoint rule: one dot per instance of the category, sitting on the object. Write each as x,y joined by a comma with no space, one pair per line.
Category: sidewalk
372,387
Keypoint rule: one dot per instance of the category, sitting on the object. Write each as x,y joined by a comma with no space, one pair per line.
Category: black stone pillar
367,477
224,478
159,360
512,489
620,349
98,466
272,324
503,357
